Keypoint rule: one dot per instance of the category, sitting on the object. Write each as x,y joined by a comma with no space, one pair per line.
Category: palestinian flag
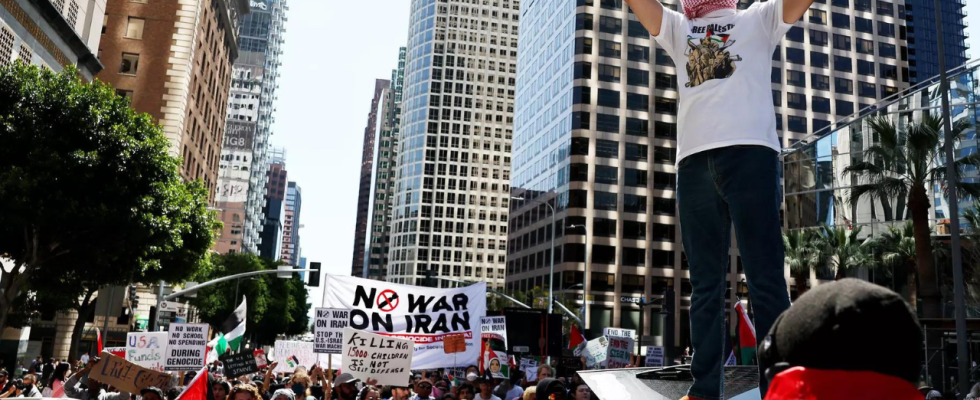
746,335
720,38
198,388
575,337
234,332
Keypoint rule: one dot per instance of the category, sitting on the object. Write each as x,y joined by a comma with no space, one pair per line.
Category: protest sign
421,314
655,356
295,353
595,352
126,376
239,364
454,344
530,367
616,332
260,360
116,351
147,349
328,330
494,328
619,352
494,362
186,346
368,355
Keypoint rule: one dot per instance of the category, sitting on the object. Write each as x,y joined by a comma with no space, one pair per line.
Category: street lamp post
239,282
551,270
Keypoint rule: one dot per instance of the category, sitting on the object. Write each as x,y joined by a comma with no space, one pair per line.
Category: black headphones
770,361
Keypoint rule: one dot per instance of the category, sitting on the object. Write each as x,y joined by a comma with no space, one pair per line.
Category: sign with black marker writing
126,376
239,364
328,330
186,347
369,355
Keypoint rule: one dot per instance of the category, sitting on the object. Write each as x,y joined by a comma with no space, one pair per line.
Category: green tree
897,249
89,195
840,247
803,254
904,163
275,306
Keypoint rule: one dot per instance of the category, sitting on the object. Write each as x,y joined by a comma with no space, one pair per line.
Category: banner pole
330,368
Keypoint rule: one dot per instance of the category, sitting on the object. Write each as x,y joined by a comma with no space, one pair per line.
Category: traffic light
314,276
133,298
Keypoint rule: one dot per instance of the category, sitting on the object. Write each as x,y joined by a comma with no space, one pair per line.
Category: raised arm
793,10
650,13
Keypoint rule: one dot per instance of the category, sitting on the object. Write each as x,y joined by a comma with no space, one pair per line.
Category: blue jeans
716,188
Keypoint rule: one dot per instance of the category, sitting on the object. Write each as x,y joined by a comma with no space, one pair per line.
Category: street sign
170,306
522,349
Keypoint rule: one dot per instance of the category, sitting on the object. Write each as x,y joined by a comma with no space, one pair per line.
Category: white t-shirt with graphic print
724,69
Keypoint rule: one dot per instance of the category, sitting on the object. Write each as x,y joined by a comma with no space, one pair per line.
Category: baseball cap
343,378
848,325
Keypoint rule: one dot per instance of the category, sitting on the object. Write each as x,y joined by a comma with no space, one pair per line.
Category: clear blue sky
973,17
333,53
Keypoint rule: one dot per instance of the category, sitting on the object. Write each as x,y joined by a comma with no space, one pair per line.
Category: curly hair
245,388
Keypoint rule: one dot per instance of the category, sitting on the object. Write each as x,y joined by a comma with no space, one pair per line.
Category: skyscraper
367,169
241,178
55,34
923,51
383,187
275,206
179,71
453,183
596,133
291,225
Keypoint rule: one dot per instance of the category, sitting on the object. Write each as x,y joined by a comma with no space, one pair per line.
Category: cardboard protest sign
421,314
239,364
147,349
655,356
595,352
616,332
295,353
126,376
619,352
494,328
454,344
260,360
368,355
186,347
328,330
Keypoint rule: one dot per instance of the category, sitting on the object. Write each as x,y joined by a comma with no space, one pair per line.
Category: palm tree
803,254
902,164
841,247
898,252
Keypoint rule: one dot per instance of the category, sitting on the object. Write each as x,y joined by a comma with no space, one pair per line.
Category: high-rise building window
863,25
583,45
134,28
818,38
604,227
581,95
638,53
862,5
843,86
842,21
797,124
887,91
865,46
636,152
130,63
795,34
637,30
841,3
583,21
664,155
637,77
635,177
606,174
842,64
610,25
888,71
886,50
819,60
583,70
606,148
885,8
866,89
605,200
776,75
796,101
580,120
665,81
777,98
665,106
608,98
842,42
866,68
612,4
796,78
795,56
634,257
638,102
608,48
818,16
607,123
886,29
634,203
580,146
637,126
819,82
665,130
663,58
634,230
844,108
609,73
820,124
820,104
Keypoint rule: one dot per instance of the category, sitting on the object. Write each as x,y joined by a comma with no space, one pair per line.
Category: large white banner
421,314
